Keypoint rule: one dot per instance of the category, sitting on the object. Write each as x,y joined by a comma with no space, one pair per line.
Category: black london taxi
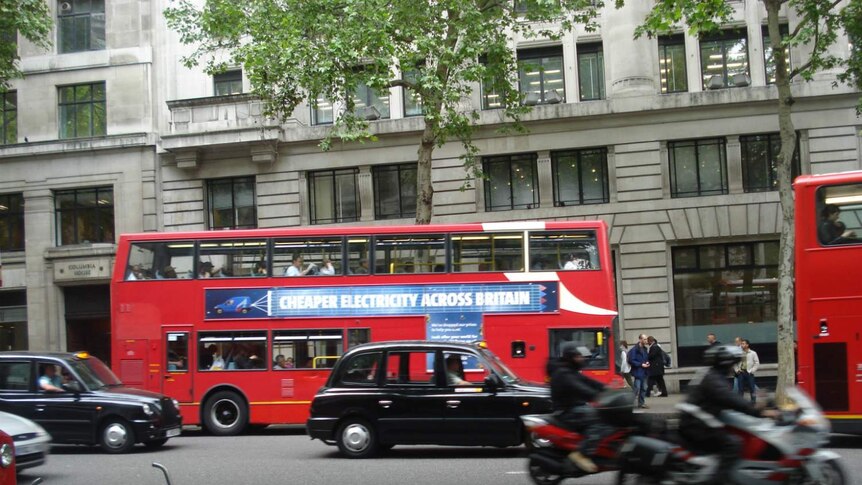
78,400
422,392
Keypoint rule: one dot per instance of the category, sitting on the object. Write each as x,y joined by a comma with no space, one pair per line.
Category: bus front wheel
225,414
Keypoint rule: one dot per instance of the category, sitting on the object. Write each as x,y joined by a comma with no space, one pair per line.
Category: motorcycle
550,441
787,450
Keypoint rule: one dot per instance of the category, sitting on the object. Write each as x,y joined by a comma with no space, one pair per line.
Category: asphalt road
288,457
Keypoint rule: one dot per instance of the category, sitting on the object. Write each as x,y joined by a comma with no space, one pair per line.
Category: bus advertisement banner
353,301
455,327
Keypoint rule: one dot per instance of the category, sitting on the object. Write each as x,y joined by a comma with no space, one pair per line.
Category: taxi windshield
500,368
94,373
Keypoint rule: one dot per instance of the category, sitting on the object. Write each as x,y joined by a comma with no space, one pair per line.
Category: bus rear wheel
225,414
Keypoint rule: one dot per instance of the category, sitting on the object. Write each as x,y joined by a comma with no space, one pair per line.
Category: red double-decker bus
829,294
241,327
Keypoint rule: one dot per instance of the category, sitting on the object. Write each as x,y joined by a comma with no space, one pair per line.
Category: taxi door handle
453,404
384,404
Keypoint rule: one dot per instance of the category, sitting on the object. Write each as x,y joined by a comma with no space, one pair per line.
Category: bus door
176,359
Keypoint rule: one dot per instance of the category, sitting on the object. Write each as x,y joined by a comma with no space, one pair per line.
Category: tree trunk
424,187
786,353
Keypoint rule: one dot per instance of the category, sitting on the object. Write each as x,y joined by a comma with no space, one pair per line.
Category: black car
420,392
77,399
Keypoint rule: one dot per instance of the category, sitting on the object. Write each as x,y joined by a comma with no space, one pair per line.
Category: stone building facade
667,140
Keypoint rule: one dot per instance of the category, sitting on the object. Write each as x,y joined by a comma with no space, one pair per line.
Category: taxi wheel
225,414
116,436
356,438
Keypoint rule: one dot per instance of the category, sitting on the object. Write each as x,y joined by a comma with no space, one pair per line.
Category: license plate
173,432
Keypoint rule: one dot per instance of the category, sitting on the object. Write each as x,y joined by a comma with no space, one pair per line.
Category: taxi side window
362,369
411,368
15,376
464,369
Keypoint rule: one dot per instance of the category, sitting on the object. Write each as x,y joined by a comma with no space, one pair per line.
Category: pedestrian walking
625,367
639,360
656,368
746,369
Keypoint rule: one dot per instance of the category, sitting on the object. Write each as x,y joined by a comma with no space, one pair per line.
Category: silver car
32,442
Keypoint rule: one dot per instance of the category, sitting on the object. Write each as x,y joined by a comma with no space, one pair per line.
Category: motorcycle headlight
7,456
149,409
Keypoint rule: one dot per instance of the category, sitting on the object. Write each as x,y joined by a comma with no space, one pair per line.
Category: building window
83,111
724,59
540,76
8,117
697,167
730,290
512,182
591,71
412,100
11,222
768,60
334,196
227,83
84,215
580,177
322,112
81,25
395,191
369,105
760,155
231,203
671,64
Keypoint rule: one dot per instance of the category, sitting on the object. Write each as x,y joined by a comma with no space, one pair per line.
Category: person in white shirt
577,260
327,269
296,269
746,369
625,368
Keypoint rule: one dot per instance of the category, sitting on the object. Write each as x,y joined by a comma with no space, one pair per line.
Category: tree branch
803,21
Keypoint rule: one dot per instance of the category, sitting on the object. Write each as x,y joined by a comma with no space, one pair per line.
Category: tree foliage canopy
32,20
292,50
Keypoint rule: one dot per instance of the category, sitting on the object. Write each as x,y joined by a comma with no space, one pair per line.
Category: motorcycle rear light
806,452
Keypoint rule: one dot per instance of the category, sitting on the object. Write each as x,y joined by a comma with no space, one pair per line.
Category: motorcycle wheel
540,476
833,474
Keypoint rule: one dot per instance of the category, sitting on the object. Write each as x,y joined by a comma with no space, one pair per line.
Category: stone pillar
631,65
366,194
43,320
546,180
734,165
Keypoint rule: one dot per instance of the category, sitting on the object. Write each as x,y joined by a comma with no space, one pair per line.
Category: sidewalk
662,407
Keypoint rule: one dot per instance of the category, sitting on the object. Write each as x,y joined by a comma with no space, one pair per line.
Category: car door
475,413
17,387
68,416
410,405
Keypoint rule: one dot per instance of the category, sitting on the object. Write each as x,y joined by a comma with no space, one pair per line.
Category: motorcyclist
571,393
709,390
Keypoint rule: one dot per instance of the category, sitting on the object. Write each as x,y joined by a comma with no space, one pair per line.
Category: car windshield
498,367
94,373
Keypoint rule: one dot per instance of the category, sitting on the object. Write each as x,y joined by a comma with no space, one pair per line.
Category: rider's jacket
570,388
711,392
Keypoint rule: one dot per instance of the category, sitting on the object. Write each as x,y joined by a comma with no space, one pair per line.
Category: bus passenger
169,272
296,269
288,363
327,268
135,273
831,230
259,269
279,362
577,260
206,270
363,267
218,360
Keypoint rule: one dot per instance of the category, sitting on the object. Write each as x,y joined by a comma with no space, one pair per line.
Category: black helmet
571,349
722,356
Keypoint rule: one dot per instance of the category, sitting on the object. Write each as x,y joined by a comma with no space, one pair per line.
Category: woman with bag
656,367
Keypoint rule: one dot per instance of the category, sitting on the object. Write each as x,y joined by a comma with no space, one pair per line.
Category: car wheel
156,443
116,436
356,438
225,414
219,311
